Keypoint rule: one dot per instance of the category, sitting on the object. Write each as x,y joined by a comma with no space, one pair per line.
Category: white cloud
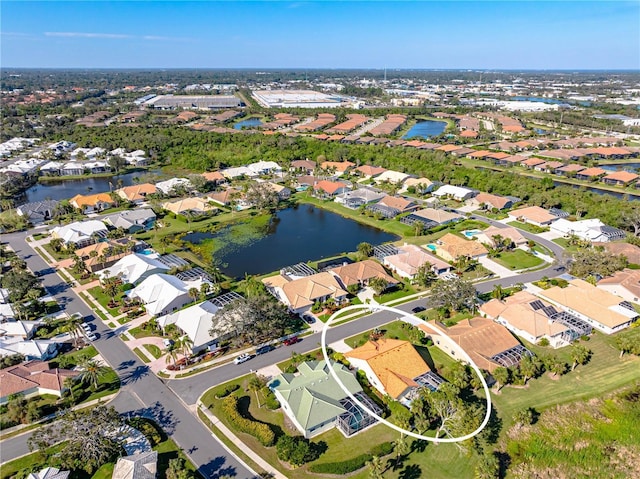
116,36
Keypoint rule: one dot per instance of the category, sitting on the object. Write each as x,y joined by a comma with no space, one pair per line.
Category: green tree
529,367
194,294
376,467
456,294
172,352
92,371
524,416
487,467
580,355
425,276
627,343
401,447
501,375
256,384
178,469
365,250
378,285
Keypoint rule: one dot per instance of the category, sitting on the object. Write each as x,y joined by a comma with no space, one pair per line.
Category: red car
291,340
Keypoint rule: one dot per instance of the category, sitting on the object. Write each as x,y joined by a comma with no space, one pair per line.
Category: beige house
625,283
533,215
300,294
137,193
490,201
361,273
601,309
410,258
190,205
510,233
452,247
421,185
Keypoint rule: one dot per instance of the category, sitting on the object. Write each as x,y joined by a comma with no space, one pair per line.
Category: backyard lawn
517,259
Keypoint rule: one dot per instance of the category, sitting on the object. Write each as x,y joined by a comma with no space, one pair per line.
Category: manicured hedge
228,389
260,431
351,465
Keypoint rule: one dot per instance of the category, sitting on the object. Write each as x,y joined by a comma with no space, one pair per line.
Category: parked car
291,340
86,327
242,358
309,318
264,349
167,342
418,309
91,336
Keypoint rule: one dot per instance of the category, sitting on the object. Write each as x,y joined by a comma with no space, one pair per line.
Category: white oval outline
403,314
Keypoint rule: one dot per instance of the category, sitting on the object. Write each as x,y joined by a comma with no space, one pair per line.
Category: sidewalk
266,467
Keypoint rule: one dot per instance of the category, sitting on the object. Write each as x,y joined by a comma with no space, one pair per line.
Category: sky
321,34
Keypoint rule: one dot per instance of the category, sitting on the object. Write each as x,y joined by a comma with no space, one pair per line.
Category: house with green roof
314,402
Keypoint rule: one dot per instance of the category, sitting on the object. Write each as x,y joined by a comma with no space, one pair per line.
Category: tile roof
622,176
305,291
632,252
213,176
362,271
91,200
592,172
410,258
330,187
533,213
32,374
627,278
398,203
494,201
396,363
457,247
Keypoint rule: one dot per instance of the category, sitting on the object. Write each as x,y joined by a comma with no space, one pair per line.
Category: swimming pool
147,252
471,233
431,247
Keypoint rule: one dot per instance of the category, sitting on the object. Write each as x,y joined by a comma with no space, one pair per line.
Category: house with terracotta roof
489,201
452,248
369,171
469,134
300,294
339,167
361,273
398,203
305,167
511,234
329,189
314,402
226,196
33,378
394,368
630,251
528,317
532,162
620,178
601,309
191,205
590,174
549,166
570,169
489,344
407,262
431,217
214,177
479,154
137,193
533,215
101,255
92,203
625,283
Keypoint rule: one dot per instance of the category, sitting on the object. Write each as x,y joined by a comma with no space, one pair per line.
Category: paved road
142,392
172,406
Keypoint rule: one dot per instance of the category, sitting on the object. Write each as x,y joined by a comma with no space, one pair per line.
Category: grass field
99,295
517,259
565,244
154,350
141,355
527,227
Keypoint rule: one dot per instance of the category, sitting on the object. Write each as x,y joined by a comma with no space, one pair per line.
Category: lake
294,235
62,190
248,123
632,167
425,129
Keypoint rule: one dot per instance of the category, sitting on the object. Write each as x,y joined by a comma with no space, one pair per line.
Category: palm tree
72,325
256,383
68,383
92,371
110,287
498,293
580,355
185,345
204,289
172,353
375,467
401,447
194,294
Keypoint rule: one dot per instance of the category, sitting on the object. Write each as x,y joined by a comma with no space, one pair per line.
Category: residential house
143,465
173,186
510,234
237,172
196,322
533,215
489,344
193,205
33,378
137,193
162,293
419,185
529,317
226,197
601,309
81,233
135,268
491,202
588,230
305,167
625,283
132,221
49,473
531,163
590,174
97,166
431,217
456,192
301,294
72,169
410,258
38,211
361,273
314,402
620,178
394,368
452,248
392,206
369,171
92,203
360,197
261,168
329,189
631,252
282,191
19,329
51,168
570,169
214,177
101,255
337,168
391,177
40,349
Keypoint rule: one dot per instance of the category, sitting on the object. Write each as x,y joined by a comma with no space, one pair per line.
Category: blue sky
321,34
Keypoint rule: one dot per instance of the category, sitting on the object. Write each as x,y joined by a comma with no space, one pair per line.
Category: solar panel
549,311
537,304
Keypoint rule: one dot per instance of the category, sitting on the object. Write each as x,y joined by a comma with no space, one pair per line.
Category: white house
263,168
390,176
588,230
162,293
135,268
80,233
456,192
167,187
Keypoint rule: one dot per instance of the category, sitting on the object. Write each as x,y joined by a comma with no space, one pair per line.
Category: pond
294,235
248,123
62,190
425,129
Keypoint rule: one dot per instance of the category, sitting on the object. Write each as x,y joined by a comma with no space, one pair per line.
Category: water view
62,190
248,123
295,235
425,129
632,167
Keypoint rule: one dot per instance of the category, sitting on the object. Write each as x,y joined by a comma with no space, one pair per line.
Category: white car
91,337
242,358
86,327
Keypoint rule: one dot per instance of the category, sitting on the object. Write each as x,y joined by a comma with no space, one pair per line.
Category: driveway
498,269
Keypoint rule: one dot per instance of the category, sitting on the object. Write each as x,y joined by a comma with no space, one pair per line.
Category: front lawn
517,259
527,227
100,296
154,350
564,242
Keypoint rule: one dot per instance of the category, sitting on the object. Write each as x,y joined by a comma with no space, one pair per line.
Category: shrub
147,428
260,431
353,464
228,389
382,449
270,400
295,450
